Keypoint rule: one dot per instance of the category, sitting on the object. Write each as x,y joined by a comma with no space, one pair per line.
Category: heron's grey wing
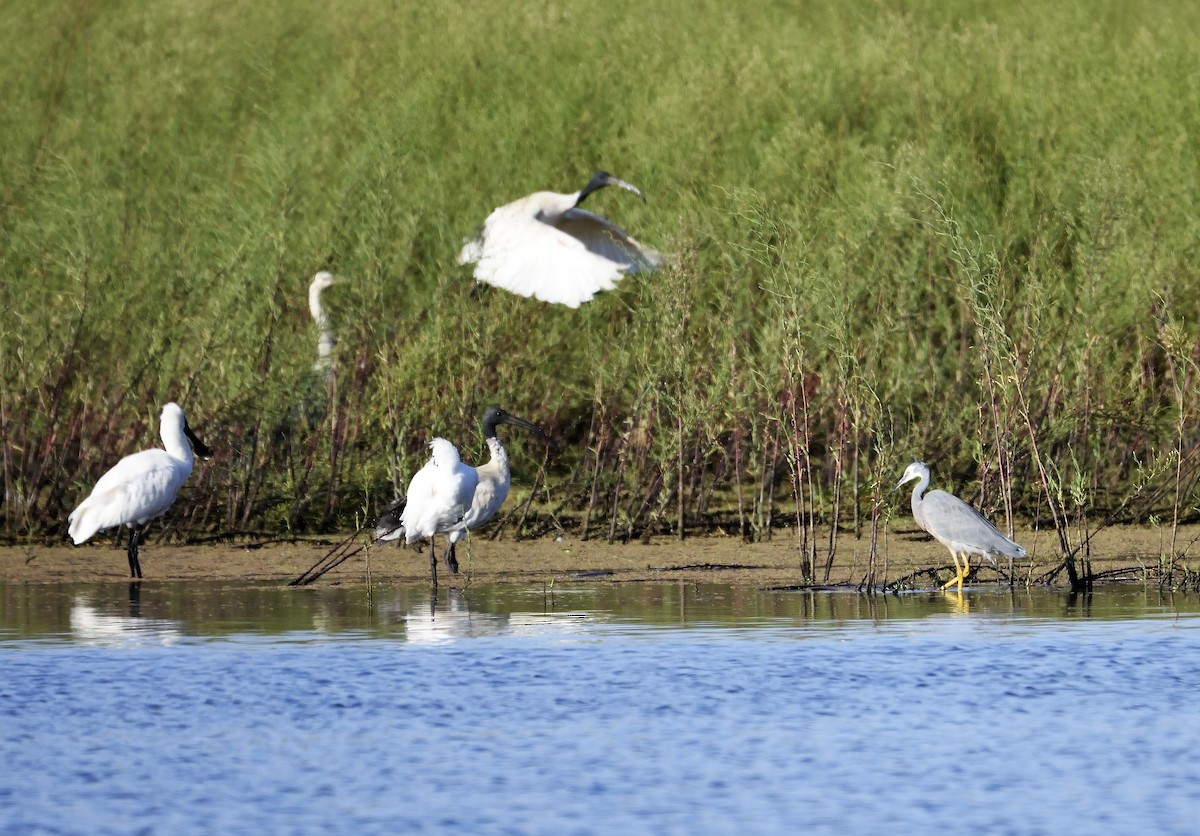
604,238
952,520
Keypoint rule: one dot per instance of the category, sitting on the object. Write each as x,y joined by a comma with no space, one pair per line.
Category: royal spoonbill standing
545,246
438,498
493,480
955,524
141,486
325,340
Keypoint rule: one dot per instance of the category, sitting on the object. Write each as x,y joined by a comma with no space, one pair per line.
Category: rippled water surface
643,709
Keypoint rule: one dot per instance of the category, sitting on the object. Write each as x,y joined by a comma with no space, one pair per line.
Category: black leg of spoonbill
135,566
451,559
432,563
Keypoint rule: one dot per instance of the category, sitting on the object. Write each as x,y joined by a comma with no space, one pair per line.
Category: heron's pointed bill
909,475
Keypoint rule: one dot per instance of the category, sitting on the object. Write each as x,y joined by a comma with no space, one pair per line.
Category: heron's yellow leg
958,574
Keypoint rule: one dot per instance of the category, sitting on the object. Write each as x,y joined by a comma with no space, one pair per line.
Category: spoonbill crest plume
141,486
546,247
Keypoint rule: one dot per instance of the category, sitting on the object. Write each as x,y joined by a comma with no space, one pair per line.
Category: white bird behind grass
325,339
545,247
140,487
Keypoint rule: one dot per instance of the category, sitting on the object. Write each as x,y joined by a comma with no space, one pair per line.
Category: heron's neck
325,343
919,488
325,340
314,307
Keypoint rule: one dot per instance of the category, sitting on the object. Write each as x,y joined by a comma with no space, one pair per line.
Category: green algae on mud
1118,553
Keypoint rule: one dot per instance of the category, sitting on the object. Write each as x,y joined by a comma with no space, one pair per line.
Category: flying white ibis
490,489
141,486
325,340
546,247
955,524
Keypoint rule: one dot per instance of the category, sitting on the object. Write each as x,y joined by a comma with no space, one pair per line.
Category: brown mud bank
904,555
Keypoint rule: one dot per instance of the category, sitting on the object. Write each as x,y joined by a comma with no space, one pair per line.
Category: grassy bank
955,231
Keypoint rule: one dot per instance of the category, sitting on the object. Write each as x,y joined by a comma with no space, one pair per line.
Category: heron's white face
323,280
916,470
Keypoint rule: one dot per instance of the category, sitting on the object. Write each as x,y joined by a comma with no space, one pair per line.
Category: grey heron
955,524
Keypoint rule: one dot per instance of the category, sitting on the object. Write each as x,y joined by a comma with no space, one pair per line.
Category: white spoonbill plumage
493,481
141,486
955,524
325,340
438,497
545,246
494,477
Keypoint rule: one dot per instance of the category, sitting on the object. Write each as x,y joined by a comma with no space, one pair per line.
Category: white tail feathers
444,453
83,524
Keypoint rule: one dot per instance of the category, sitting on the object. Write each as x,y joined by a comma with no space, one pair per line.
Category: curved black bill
495,415
601,179
532,427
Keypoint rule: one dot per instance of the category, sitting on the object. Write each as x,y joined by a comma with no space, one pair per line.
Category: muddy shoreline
903,552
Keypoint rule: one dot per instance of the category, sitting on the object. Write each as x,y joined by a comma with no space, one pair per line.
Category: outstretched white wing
565,263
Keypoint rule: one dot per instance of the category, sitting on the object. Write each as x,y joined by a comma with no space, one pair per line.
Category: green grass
957,231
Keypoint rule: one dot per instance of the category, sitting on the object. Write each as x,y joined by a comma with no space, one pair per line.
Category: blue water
675,709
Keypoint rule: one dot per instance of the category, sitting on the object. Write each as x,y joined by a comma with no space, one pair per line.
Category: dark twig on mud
335,557
909,581
706,566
